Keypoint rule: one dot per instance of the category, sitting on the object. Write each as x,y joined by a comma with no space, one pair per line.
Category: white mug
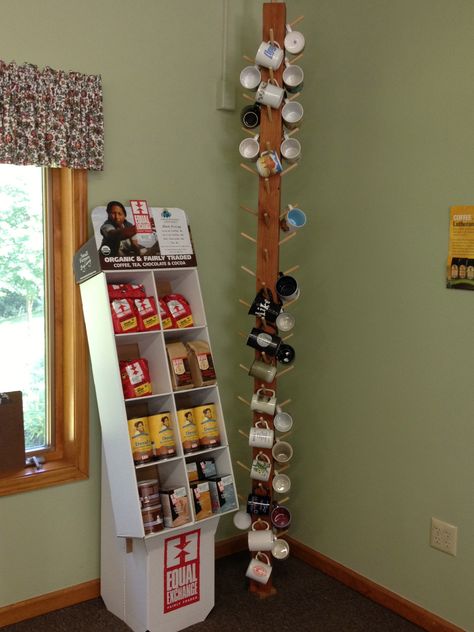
261,467
281,483
292,114
264,401
269,164
269,55
293,77
294,41
290,150
282,451
242,520
280,549
283,422
260,539
259,570
249,148
261,435
270,93
250,77
285,321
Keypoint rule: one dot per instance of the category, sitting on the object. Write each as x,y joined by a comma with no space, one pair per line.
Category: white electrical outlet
444,536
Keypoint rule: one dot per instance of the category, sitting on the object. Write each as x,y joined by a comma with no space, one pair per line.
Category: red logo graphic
181,570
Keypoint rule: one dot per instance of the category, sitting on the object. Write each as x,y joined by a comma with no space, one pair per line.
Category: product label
181,570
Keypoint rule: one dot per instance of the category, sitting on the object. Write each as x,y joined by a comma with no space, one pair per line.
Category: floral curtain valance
50,118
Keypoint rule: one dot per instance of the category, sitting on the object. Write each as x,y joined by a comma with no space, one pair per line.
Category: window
59,384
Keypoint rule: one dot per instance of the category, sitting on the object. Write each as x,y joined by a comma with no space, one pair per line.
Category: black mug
258,505
262,341
285,354
264,307
287,288
250,116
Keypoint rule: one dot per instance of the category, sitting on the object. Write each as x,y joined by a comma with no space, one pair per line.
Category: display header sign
460,265
181,579
137,237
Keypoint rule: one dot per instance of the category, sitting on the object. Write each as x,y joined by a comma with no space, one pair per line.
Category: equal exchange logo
181,570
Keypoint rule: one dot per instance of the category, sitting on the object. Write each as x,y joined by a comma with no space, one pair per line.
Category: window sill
51,473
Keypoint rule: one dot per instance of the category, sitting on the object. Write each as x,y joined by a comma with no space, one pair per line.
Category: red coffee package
135,290
135,378
124,316
148,319
180,310
167,321
117,290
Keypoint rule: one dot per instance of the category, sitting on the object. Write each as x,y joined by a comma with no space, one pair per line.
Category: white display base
137,586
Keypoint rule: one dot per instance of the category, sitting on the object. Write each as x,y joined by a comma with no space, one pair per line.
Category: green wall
381,392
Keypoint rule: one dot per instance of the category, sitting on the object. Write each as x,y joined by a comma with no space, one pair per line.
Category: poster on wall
460,264
181,570
139,237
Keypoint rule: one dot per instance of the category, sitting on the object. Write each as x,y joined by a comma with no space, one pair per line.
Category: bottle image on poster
460,264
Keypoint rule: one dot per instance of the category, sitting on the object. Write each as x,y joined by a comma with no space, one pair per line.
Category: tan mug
264,401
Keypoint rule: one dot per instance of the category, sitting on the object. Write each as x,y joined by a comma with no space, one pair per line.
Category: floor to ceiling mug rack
267,242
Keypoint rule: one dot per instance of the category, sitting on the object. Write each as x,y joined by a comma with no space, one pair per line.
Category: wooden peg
248,271
249,98
249,59
243,400
250,133
287,170
272,77
289,336
268,146
272,37
290,270
241,334
285,467
267,186
287,401
249,210
249,237
284,500
269,113
287,238
290,133
287,370
243,466
296,20
241,300
292,98
245,368
266,218
297,58
265,254
249,169
286,434
243,433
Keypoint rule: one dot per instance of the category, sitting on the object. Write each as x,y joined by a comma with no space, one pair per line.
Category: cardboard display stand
161,581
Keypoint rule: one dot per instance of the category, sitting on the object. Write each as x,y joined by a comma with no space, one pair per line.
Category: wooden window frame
68,460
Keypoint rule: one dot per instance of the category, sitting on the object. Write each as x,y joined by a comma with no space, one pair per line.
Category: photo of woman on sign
118,234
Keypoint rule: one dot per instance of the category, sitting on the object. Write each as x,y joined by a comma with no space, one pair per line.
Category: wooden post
268,229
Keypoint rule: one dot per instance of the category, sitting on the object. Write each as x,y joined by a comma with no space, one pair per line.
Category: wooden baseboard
231,545
90,590
390,600
36,606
